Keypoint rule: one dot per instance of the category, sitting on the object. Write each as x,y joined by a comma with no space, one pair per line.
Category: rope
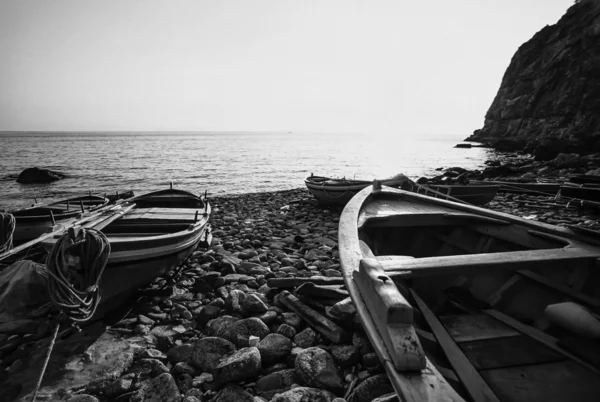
75,267
46,361
7,229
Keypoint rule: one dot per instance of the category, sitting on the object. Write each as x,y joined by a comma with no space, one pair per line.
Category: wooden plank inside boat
475,327
476,387
550,382
471,264
505,352
173,214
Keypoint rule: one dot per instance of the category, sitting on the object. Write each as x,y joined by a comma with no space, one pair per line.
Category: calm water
222,163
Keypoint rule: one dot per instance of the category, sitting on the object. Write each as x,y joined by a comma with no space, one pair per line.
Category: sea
220,163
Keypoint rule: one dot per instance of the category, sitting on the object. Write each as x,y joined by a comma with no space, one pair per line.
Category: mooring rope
7,229
75,267
80,260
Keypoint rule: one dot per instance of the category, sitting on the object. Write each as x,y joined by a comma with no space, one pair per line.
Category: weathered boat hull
148,235
338,192
474,195
583,193
38,219
520,188
333,191
481,282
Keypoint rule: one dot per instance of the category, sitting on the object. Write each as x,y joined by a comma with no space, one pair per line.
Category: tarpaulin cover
23,293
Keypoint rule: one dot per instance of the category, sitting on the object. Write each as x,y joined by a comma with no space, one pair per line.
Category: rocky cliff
549,98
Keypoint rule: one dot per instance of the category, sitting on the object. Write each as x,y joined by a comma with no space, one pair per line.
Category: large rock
36,175
317,369
208,351
550,92
241,365
222,327
304,394
234,393
160,389
250,326
274,347
371,388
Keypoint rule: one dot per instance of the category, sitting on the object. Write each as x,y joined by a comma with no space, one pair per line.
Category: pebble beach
260,315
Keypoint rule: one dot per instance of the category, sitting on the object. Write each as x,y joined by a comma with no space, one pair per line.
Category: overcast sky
251,65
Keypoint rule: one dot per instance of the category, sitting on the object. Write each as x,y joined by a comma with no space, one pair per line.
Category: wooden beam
320,323
288,283
382,295
475,385
392,314
539,336
509,261
429,219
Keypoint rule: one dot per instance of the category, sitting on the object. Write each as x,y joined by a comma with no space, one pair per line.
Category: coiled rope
75,267
7,229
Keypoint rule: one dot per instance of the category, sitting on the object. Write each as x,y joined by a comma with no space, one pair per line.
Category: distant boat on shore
41,218
329,191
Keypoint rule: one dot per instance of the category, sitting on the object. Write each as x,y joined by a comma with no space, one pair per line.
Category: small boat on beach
474,195
330,191
148,235
41,218
585,179
581,192
462,303
534,188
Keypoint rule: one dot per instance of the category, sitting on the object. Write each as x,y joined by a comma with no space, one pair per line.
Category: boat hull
122,279
401,251
148,235
333,192
583,193
474,195
38,219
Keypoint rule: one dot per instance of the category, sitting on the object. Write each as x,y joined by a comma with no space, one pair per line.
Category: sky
259,65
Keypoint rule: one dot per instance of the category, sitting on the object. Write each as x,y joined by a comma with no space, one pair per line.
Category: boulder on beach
37,175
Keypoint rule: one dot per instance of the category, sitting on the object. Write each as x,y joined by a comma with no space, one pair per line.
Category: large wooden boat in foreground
463,303
148,235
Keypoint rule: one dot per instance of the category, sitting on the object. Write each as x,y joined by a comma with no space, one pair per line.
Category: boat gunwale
429,384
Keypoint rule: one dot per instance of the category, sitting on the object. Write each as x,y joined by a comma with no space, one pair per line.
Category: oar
43,237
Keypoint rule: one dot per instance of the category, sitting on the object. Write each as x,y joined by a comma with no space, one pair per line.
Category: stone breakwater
242,321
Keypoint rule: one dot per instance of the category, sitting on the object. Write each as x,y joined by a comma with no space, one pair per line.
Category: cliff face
549,98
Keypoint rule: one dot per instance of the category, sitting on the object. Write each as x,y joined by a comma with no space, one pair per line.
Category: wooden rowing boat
148,235
41,218
534,188
474,195
330,191
585,179
459,302
581,192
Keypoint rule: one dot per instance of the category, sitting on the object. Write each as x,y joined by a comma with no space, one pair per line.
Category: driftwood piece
318,322
288,283
321,292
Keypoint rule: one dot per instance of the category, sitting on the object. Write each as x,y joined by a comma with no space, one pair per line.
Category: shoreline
225,304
